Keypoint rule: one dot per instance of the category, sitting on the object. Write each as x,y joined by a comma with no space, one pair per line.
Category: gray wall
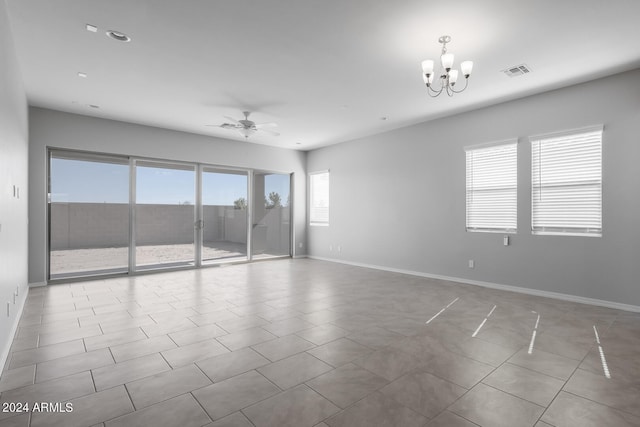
13,172
398,198
63,130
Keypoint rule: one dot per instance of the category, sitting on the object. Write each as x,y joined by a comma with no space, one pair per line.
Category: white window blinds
319,199
566,183
492,188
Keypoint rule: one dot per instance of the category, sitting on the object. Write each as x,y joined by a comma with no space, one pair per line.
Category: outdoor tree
240,203
273,201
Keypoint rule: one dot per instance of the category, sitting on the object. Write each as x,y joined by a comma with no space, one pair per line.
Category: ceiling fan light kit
247,132
447,75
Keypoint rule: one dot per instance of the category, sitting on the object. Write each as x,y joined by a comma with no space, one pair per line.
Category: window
492,187
319,199
566,183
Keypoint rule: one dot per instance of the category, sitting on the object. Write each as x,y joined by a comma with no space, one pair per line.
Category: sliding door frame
291,176
168,164
197,221
79,155
208,168
132,215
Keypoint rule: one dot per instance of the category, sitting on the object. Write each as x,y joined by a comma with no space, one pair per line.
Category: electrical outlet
505,240
472,263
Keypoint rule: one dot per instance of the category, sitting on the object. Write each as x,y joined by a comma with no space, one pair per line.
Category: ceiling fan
247,127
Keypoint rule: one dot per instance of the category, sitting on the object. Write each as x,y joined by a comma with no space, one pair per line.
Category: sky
78,181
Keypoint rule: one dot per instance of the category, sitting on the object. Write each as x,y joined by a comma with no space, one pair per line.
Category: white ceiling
325,70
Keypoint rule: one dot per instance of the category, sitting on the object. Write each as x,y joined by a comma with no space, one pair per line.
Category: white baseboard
518,289
7,346
37,284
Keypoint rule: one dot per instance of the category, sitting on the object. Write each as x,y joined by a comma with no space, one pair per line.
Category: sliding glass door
165,215
110,214
88,214
224,215
271,231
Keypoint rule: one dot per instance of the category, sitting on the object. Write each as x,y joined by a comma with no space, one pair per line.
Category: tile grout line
562,389
199,404
469,389
513,395
245,415
603,404
481,382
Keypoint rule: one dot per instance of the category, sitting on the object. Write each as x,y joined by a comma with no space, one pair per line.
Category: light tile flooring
305,343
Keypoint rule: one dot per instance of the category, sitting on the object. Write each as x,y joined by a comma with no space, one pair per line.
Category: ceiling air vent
517,70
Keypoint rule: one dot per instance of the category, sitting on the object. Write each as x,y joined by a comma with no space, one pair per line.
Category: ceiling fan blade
227,126
232,119
266,125
269,131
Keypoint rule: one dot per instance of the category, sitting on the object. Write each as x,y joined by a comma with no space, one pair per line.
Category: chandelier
447,75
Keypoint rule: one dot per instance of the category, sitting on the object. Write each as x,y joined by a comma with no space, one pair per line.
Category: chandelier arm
466,83
433,93
445,87
450,91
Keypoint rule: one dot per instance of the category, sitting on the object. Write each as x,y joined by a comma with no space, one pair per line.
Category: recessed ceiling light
83,75
117,35
91,28
383,118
